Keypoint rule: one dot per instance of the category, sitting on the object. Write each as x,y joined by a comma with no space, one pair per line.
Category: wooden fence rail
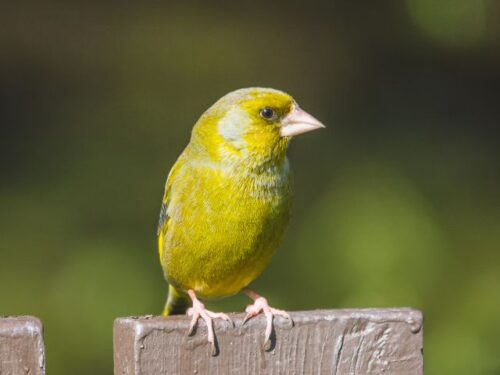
366,341
21,346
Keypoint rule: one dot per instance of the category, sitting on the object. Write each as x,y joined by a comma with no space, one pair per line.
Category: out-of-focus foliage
396,201
456,22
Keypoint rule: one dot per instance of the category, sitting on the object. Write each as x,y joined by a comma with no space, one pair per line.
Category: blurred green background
397,200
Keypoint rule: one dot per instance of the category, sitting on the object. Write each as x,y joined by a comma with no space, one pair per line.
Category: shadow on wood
365,341
21,346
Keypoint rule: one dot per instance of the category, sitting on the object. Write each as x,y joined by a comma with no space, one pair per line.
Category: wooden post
366,341
21,346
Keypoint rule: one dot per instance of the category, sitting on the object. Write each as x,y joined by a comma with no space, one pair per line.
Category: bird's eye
267,113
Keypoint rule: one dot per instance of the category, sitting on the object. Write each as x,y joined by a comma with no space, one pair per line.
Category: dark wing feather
163,218
162,221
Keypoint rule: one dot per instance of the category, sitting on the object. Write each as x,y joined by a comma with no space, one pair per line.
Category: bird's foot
199,311
260,305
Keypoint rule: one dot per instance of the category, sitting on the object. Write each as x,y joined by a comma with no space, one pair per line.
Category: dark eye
267,113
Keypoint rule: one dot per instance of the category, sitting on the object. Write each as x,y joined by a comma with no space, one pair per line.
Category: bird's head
253,123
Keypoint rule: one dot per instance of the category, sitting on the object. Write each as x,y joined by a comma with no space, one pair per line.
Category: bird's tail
177,302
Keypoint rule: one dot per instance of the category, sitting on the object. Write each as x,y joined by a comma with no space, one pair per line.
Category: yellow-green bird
227,202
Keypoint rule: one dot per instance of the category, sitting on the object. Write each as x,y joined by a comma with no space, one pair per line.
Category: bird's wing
166,197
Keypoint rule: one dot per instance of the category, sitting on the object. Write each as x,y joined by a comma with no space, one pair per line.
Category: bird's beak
298,122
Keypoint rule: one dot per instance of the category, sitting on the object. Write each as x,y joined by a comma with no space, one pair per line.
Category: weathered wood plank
366,341
21,346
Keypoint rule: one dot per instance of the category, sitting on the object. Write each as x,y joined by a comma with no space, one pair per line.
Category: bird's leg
199,311
260,305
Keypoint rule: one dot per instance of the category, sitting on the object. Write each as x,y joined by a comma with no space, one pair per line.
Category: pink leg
199,311
260,305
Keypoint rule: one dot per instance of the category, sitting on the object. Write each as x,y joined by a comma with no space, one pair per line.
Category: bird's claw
261,305
199,311
248,316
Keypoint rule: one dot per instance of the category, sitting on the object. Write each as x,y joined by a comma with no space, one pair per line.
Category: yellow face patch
245,124
267,107
251,120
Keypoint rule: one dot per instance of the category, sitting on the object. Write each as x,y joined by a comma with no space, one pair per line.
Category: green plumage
227,199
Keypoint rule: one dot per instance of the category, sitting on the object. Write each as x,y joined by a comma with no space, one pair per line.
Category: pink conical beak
298,122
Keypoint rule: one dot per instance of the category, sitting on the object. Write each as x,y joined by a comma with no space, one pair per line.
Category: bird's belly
219,248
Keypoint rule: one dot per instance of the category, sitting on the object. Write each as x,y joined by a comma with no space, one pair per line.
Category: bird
227,203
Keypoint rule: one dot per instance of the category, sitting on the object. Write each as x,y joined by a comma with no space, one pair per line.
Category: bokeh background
397,201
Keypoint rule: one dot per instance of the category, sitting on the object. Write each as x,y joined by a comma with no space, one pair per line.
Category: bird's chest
243,211
226,231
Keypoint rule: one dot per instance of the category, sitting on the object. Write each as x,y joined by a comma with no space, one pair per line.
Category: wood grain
365,341
21,346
